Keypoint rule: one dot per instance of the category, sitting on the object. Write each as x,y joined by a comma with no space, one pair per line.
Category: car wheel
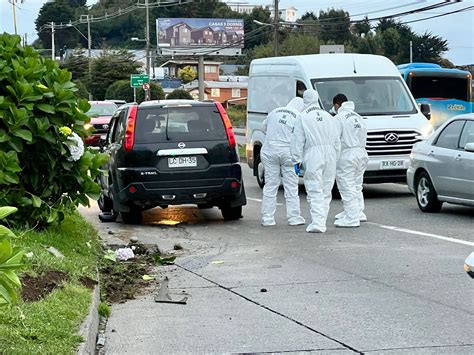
426,195
260,172
106,217
132,217
105,203
231,213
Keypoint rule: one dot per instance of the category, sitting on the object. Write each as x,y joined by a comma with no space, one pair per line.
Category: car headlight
87,126
426,131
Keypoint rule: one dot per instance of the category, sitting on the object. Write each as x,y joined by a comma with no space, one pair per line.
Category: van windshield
371,96
165,124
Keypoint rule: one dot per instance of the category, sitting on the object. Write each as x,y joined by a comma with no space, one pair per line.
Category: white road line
259,200
409,231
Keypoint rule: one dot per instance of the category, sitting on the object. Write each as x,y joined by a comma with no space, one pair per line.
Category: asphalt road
394,285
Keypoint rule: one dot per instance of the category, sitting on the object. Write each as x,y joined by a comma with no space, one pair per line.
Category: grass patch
242,152
51,324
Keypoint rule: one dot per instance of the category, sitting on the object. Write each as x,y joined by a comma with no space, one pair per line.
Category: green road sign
137,80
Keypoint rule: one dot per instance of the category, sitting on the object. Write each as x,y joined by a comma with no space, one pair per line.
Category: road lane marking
259,200
410,231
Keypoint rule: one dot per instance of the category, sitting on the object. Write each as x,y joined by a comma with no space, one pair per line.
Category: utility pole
276,19
411,52
201,77
26,39
53,50
147,35
89,51
14,14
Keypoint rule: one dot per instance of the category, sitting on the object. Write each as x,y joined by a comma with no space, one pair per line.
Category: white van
394,120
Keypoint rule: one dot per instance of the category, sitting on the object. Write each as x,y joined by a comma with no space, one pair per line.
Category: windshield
435,87
195,123
372,96
101,110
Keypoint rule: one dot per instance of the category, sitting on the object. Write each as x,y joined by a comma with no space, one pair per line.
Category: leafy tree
58,11
363,27
335,26
81,90
428,48
179,94
187,74
262,15
78,65
309,24
121,90
42,171
390,44
109,68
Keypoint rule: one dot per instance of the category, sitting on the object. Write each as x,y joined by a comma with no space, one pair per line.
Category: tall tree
429,48
335,26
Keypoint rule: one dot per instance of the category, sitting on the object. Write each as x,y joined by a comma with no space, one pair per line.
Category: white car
441,168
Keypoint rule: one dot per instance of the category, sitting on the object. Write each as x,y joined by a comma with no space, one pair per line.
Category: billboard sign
200,32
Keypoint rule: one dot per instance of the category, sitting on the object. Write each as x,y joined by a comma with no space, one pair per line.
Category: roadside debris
55,252
163,295
263,290
215,262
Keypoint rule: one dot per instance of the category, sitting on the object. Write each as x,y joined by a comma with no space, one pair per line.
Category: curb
90,326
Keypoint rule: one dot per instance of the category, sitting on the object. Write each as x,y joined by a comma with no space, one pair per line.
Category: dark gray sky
458,29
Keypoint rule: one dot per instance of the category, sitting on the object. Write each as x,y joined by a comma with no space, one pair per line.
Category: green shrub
10,261
179,94
81,90
104,310
121,90
41,130
237,115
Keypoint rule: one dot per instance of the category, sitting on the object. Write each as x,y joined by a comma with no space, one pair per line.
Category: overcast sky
458,28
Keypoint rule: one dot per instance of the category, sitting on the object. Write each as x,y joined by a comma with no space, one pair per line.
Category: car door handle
431,154
457,157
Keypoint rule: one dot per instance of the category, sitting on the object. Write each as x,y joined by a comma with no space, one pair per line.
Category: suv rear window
192,123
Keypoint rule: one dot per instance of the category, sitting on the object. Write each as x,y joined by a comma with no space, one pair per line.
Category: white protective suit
316,144
276,159
351,166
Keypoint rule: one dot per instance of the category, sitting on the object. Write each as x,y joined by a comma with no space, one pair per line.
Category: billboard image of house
198,32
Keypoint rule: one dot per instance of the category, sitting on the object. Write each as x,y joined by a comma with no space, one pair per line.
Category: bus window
435,87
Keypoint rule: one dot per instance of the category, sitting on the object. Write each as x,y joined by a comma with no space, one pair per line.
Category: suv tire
132,217
105,203
231,213
426,195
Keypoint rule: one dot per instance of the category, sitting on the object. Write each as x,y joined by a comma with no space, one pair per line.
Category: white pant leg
290,184
313,181
271,163
359,180
329,177
346,183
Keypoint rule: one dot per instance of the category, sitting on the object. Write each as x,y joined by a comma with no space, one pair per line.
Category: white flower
124,254
76,147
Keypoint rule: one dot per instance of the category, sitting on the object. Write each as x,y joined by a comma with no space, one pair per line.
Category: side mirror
426,110
469,147
102,142
469,265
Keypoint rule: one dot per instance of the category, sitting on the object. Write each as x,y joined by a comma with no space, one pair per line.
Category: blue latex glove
297,169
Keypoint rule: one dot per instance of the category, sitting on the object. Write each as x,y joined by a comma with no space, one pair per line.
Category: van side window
300,88
269,92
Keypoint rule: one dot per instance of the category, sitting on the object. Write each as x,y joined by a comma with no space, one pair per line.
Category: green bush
179,94
121,90
42,122
237,115
10,261
81,90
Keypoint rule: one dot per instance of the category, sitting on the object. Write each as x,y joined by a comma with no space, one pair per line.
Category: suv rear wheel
231,213
426,195
132,217
105,203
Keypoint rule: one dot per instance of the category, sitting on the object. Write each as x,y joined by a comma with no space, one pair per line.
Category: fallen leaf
217,262
147,277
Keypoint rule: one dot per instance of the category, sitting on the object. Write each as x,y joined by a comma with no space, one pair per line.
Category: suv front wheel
426,195
231,213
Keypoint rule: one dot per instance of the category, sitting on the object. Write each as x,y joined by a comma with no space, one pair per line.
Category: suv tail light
130,132
227,125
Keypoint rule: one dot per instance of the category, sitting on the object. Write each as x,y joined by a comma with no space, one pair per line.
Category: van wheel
132,217
426,195
260,171
231,213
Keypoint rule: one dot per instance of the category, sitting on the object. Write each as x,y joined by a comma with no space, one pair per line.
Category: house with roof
211,69
226,92
220,37
204,35
178,34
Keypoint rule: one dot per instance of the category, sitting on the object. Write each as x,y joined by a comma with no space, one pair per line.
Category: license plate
392,164
182,162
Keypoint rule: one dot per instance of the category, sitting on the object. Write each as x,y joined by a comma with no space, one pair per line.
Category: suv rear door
182,145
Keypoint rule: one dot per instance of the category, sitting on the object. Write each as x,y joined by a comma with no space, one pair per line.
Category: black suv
170,152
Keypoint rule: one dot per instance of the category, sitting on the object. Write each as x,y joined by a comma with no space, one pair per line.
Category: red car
100,113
